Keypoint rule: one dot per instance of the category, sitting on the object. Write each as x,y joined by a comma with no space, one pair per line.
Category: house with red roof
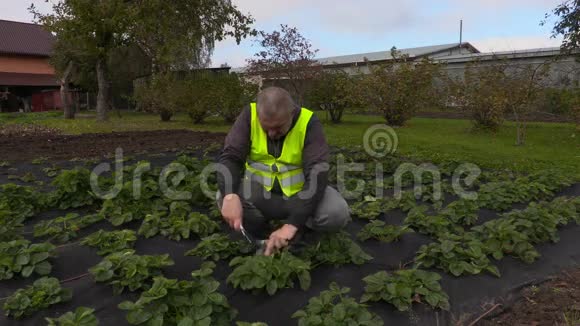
27,80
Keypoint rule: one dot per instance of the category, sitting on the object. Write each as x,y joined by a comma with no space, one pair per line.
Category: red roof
18,38
18,79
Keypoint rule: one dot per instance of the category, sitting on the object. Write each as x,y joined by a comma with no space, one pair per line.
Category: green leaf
27,271
186,322
43,268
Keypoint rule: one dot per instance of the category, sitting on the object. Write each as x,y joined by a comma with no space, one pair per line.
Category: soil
23,147
554,302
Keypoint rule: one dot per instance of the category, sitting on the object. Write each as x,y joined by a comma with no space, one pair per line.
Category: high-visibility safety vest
265,168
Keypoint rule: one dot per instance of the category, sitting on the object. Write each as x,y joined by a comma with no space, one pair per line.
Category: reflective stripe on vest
264,168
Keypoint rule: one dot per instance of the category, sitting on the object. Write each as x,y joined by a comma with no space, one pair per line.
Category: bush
197,97
489,91
233,93
558,101
398,88
332,91
158,95
482,93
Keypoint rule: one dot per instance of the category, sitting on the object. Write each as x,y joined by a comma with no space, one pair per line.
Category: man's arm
315,164
235,151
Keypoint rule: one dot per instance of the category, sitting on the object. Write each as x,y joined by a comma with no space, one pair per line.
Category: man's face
276,126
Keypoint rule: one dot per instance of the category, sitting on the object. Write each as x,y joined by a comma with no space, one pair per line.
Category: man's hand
232,211
280,238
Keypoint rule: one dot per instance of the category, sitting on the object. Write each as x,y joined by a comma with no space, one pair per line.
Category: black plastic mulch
470,296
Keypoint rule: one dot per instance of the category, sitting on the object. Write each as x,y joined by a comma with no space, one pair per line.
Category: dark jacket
314,158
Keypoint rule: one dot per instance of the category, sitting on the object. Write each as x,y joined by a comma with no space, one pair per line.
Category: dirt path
63,147
556,302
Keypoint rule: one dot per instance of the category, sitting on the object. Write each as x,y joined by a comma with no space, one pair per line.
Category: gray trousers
260,206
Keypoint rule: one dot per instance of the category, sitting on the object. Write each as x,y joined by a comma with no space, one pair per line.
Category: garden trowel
260,245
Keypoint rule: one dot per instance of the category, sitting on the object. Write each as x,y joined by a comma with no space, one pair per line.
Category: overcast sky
338,27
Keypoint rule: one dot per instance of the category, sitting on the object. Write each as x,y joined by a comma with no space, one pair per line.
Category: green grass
548,144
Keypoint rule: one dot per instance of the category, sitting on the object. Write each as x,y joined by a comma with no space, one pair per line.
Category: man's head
275,108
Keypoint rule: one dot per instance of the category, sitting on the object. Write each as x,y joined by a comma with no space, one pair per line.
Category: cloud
231,53
494,44
18,10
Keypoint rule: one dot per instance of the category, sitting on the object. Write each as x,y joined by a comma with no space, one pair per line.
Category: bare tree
286,55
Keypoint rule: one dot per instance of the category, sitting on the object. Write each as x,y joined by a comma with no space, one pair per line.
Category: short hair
273,101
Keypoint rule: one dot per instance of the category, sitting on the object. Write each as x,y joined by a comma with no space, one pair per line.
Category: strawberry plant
404,287
540,221
335,249
21,257
110,242
407,202
178,224
367,210
335,307
430,225
73,189
64,228
215,214
82,316
27,177
501,237
125,269
51,172
43,293
174,302
10,227
537,186
554,180
379,230
125,207
462,211
457,255
39,160
271,273
19,202
192,184
568,209
219,246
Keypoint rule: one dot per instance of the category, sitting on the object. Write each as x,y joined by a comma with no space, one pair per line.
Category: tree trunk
166,115
103,95
69,111
76,101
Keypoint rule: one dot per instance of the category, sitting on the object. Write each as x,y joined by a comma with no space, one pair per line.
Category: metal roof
386,55
515,54
17,38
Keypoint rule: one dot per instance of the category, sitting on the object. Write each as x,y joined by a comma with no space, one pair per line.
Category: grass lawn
548,144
